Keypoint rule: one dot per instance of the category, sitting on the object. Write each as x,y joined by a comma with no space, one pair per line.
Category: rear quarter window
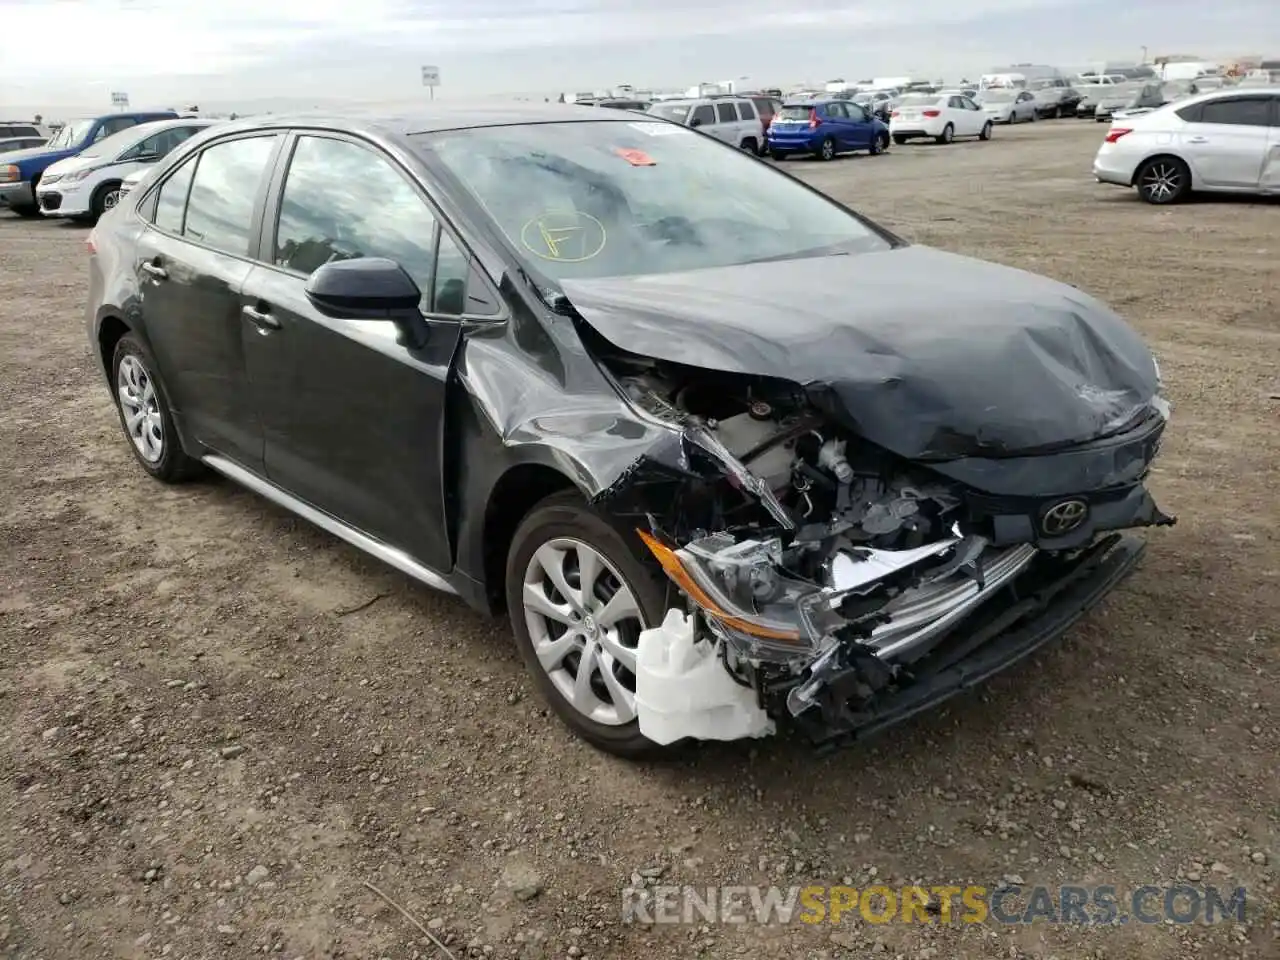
1190,113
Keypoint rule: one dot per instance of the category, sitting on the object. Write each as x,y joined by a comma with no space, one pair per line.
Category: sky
63,54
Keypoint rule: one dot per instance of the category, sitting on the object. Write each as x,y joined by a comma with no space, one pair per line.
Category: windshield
670,111
997,96
582,200
71,134
118,143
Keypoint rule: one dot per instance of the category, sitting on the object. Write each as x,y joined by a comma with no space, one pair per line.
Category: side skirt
392,556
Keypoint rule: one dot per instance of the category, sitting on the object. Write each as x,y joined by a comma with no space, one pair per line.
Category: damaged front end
841,587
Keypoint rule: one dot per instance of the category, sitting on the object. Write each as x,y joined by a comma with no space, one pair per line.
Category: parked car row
78,173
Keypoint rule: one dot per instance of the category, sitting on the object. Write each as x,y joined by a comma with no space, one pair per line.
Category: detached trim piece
389,555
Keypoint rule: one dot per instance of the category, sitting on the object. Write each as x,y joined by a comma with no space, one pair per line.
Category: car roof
1229,93
431,119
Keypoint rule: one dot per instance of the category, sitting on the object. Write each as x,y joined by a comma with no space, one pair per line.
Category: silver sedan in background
1009,106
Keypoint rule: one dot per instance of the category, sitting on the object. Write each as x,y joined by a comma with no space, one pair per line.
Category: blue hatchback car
824,128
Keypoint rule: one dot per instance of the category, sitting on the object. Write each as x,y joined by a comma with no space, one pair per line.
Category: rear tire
1163,180
879,145
826,150
948,134
26,211
145,417
899,139
559,533
750,145
778,155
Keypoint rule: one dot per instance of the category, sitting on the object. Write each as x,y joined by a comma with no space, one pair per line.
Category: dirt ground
210,742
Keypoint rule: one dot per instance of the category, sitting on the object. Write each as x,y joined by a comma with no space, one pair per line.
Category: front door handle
155,270
1197,140
260,318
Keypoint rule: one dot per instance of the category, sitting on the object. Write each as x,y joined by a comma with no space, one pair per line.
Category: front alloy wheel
579,594
584,625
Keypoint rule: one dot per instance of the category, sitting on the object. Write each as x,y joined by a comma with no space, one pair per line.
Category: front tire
104,198
948,134
26,211
986,131
578,596
899,139
144,414
1163,180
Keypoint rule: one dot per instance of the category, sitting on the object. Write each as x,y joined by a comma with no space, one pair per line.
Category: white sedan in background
1009,106
941,117
86,186
1227,141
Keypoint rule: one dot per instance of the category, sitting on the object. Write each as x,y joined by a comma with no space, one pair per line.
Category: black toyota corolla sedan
729,455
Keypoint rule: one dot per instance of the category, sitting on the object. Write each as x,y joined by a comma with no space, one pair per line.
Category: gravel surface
207,751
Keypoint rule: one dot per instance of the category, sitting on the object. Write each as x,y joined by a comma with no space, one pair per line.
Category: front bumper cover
17,194
1038,607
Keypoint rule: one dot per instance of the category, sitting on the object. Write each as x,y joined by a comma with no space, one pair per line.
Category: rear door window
224,192
725,113
745,110
171,200
1244,112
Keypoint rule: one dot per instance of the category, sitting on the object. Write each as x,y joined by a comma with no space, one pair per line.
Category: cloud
160,50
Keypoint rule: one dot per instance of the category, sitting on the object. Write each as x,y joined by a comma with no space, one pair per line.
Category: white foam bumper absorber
683,690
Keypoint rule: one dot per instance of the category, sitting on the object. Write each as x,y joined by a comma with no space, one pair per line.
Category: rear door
1227,140
352,417
726,126
192,261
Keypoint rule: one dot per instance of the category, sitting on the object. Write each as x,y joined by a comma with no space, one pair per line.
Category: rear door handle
260,318
155,270
1197,140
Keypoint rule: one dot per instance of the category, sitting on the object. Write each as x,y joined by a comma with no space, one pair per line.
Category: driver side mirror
370,288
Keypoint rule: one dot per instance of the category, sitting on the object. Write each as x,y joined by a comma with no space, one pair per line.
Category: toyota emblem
1063,517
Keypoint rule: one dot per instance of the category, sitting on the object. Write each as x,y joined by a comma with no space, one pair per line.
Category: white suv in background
1227,141
88,185
732,119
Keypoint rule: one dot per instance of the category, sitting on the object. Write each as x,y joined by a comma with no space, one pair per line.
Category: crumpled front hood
927,354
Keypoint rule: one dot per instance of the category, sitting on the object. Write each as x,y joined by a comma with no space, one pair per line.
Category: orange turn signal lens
675,569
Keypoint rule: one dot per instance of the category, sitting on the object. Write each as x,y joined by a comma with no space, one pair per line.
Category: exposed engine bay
827,574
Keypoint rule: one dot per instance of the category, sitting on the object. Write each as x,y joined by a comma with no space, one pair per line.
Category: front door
1228,141
353,417
192,261
1270,179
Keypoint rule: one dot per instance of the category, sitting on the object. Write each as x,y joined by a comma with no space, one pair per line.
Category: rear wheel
948,134
750,145
579,596
1163,180
827,149
144,414
778,155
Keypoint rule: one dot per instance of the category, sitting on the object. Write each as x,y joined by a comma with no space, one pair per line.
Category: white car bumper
919,126
1113,165
63,198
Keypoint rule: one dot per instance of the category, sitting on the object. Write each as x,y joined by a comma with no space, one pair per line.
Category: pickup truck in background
21,170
